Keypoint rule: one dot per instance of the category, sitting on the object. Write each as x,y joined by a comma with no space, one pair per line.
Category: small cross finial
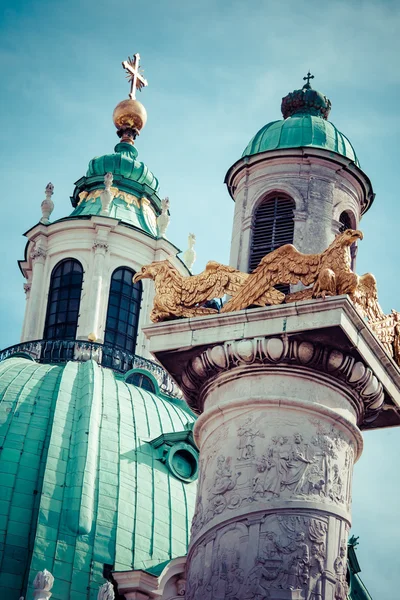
307,78
134,76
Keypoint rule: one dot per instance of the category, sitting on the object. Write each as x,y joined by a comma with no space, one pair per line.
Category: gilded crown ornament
130,115
325,274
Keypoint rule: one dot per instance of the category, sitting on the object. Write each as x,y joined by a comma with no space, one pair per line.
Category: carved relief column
278,438
34,317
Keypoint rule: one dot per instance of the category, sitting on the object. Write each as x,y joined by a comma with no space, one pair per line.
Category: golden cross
133,74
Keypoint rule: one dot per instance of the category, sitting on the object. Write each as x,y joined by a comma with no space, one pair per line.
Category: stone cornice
333,323
283,350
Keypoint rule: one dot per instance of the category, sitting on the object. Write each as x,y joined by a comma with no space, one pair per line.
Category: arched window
64,300
347,221
272,227
123,310
141,380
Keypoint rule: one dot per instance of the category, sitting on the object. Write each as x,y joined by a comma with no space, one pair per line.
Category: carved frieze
255,559
282,350
264,466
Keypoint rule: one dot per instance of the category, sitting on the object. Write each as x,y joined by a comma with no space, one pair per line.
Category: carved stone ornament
163,219
42,584
282,552
271,351
47,205
189,256
27,287
106,592
38,253
100,245
325,274
106,195
314,468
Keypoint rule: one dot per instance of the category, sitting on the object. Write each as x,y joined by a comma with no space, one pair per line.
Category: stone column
34,316
278,438
96,291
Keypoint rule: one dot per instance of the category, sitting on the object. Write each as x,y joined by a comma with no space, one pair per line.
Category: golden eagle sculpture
329,272
325,274
179,296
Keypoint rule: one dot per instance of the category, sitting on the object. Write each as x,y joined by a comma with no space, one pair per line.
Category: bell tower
298,181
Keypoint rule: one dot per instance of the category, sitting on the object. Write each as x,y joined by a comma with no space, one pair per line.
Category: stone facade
101,245
322,185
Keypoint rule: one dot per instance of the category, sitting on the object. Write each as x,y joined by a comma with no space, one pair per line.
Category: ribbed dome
301,130
82,486
123,163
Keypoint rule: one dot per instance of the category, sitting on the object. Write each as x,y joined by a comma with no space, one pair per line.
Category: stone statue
47,205
106,592
163,219
340,567
189,256
106,195
42,584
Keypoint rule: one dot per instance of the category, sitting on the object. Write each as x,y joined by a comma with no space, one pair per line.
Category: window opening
64,301
123,310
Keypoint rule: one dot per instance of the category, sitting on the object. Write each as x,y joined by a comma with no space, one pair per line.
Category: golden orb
130,114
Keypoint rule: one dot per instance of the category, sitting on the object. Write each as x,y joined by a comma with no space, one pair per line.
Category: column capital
100,246
38,254
268,352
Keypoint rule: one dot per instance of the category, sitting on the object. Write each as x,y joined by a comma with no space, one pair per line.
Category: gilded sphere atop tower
130,114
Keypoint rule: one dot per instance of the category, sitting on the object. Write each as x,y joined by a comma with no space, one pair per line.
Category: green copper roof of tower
82,487
135,188
305,124
123,163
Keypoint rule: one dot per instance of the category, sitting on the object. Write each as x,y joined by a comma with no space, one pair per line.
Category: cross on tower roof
133,75
307,78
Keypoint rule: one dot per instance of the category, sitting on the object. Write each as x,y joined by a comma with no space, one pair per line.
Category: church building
104,491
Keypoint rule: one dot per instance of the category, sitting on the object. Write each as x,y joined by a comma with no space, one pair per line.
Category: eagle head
348,237
147,272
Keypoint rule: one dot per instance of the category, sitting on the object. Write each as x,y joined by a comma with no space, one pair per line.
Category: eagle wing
283,265
216,281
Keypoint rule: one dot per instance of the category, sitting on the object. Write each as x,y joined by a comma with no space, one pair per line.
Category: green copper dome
135,188
85,485
305,124
123,164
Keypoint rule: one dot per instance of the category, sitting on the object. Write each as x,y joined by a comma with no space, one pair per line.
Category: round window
183,462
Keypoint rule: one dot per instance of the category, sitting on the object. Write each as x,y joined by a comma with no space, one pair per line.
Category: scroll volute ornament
325,274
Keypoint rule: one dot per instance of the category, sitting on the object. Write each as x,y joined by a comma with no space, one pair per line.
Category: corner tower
298,181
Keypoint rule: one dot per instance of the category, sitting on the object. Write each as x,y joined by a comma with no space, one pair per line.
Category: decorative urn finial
42,584
107,195
189,256
306,101
130,115
163,219
47,205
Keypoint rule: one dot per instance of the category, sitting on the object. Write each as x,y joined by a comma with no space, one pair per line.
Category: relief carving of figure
275,463
316,571
247,435
298,572
257,581
340,567
298,465
224,481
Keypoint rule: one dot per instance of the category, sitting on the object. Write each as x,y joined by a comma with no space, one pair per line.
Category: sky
217,72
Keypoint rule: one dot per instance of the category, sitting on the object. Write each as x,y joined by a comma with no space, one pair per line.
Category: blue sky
217,72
